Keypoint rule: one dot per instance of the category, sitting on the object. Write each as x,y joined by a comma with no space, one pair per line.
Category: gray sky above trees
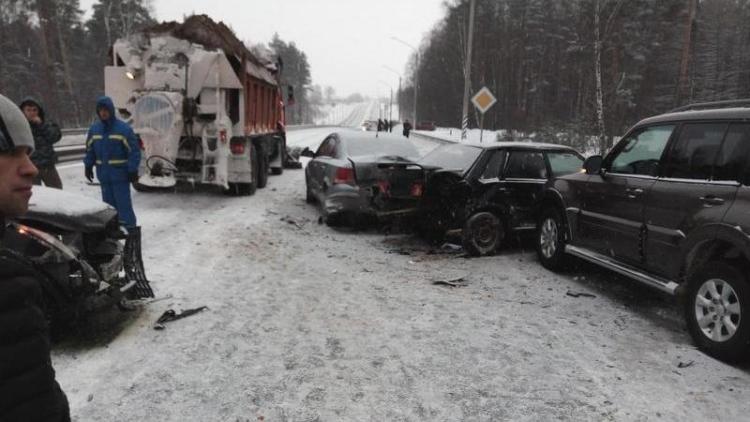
347,42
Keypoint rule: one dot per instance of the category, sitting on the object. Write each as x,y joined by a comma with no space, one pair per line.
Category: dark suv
669,206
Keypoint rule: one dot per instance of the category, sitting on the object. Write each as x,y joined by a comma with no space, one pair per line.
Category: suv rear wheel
717,313
483,233
550,245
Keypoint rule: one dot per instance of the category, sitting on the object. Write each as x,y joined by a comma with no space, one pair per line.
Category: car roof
733,113
519,145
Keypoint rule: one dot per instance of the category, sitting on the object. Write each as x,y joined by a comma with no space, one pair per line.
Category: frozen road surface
309,323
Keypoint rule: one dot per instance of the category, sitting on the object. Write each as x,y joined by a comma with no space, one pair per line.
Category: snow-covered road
308,323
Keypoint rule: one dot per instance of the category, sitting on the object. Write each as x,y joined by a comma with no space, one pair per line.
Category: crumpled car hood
68,211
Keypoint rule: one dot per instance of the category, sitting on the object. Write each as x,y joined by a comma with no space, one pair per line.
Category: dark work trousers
117,194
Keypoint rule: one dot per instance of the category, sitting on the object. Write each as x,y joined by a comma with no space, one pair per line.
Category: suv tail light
344,175
237,147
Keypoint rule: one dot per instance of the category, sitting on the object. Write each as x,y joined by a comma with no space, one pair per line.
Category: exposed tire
482,234
717,311
550,240
262,160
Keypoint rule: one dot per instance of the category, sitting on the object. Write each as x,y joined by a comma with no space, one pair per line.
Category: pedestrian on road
28,389
112,147
407,128
380,125
46,134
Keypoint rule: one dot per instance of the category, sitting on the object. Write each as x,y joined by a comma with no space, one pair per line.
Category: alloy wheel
717,310
548,237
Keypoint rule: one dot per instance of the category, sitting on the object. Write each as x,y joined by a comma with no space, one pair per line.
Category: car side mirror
593,164
307,153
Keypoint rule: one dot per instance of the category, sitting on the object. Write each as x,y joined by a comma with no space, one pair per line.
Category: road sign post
483,101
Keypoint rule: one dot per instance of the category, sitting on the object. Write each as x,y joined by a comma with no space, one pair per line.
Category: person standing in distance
111,146
28,389
46,135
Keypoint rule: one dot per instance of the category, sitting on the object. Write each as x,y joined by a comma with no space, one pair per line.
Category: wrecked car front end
77,245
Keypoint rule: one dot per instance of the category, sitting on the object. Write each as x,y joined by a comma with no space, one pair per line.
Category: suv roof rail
712,104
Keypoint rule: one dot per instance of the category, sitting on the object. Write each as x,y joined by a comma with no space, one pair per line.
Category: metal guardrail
71,153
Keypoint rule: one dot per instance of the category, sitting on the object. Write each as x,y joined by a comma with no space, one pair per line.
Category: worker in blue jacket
111,146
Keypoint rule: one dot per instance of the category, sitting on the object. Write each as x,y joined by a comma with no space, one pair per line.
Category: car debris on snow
292,221
170,315
685,364
579,294
452,282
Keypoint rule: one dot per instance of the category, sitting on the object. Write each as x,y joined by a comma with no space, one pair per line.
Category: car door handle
711,200
634,193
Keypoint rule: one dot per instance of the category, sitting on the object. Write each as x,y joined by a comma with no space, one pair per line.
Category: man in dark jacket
46,135
28,390
112,147
407,128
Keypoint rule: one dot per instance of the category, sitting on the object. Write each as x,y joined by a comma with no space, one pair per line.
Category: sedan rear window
381,147
563,162
454,157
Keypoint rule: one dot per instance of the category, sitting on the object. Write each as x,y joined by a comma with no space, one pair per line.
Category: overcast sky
347,42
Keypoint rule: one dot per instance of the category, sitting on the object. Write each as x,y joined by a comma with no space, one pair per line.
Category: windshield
454,157
564,162
381,147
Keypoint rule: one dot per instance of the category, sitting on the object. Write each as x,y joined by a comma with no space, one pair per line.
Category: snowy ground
308,323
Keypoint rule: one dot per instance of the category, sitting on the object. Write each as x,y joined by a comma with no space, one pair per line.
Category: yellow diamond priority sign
483,100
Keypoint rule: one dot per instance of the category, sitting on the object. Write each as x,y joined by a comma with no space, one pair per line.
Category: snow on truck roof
201,29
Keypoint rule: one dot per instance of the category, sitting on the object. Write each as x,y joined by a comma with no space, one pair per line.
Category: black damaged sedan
484,192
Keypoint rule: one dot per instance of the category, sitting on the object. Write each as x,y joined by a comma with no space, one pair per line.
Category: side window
694,153
326,149
494,165
639,153
526,165
733,155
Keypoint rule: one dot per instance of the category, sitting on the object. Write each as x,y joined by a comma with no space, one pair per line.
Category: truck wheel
717,310
482,234
282,158
240,189
262,160
550,245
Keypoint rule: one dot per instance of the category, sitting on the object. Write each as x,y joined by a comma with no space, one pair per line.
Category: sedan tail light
417,189
344,175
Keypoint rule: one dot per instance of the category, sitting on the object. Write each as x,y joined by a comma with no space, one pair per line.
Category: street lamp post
416,74
398,93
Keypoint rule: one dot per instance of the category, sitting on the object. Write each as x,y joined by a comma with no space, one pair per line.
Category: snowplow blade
134,266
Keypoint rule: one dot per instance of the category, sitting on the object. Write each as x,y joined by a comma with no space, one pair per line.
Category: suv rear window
694,153
733,156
